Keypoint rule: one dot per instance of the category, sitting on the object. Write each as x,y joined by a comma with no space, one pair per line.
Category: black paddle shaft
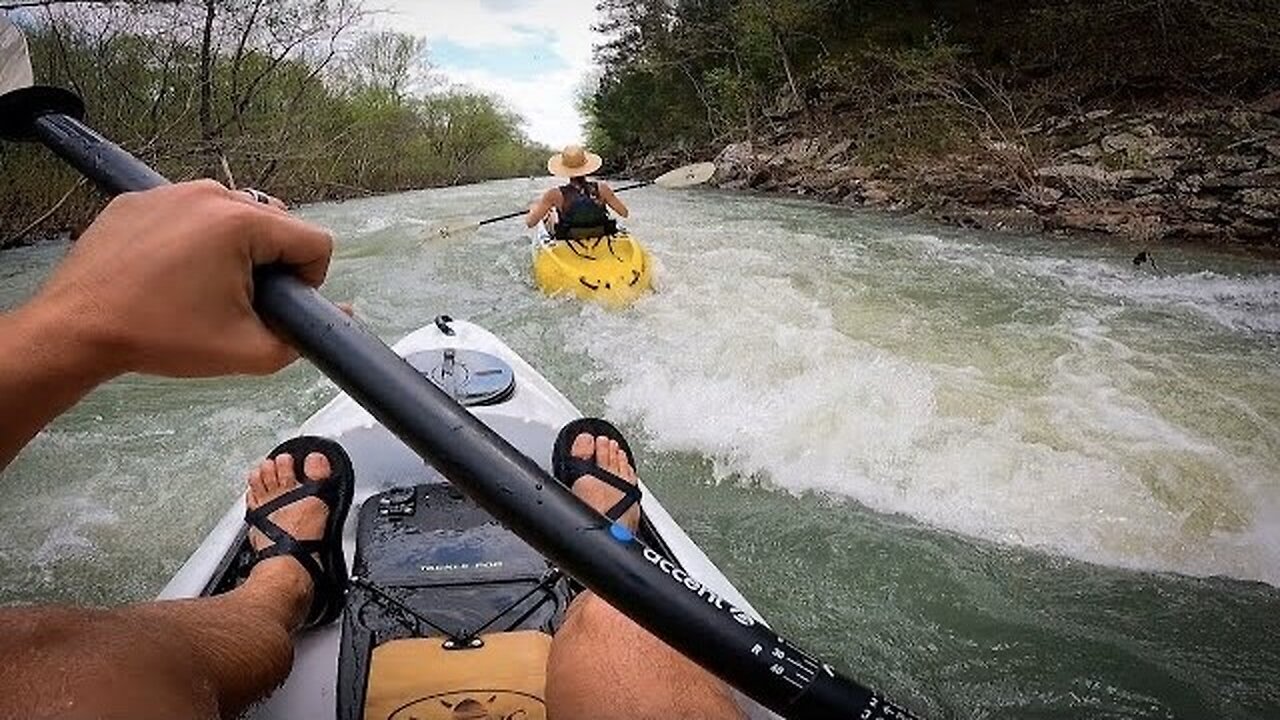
637,580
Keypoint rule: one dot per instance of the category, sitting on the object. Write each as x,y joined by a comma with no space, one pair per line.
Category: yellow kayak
613,270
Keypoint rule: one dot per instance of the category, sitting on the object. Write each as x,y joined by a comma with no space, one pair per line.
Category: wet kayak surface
994,476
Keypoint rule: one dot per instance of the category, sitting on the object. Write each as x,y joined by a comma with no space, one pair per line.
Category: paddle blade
15,61
686,176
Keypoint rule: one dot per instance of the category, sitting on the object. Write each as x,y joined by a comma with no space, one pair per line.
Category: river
994,476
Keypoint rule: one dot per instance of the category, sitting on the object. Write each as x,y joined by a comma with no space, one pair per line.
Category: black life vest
584,214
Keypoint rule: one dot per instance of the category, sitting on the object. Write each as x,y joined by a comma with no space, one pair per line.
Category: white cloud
547,103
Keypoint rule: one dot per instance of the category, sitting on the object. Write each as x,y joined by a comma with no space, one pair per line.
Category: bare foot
303,519
597,493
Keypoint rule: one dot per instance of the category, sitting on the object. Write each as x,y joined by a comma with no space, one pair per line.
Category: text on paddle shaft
698,588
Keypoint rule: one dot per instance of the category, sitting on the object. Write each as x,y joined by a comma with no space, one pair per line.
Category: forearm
537,211
614,203
46,366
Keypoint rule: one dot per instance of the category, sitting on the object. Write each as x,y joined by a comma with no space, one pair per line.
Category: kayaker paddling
580,207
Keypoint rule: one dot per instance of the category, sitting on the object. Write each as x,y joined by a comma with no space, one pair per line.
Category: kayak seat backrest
418,678
609,227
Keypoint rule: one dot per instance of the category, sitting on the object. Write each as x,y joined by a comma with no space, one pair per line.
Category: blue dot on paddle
620,533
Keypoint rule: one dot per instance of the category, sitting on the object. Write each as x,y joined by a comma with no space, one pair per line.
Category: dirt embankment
1209,176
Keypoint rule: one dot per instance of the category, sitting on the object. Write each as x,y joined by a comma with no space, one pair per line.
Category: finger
271,204
255,350
347,308
304,247
262,198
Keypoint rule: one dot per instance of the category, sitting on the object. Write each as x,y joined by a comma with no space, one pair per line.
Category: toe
624,465
316,466
284,471
256,491
615,458
270,479
604,454
584,446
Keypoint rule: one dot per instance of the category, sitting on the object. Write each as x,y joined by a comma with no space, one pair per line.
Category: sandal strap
630,491
302,551
260,517
304,490
284,544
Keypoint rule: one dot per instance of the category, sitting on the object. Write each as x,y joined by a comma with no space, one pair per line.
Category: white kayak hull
530,420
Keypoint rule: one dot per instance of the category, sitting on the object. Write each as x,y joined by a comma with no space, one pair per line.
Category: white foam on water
737,359
1242,303
69,536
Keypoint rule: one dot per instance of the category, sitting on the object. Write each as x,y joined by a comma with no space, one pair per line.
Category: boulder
1249,230
1153,199
1087,153
1016,220
1042,195
1268,198
799,150
1202,205
736,160
1260,214
1076,171
1107,218
1196,230
1267,104
1233,163
760,178
1199,117
876,193
836,152
1143,142
1264,178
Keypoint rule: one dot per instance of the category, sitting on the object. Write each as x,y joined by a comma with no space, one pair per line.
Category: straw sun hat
574,161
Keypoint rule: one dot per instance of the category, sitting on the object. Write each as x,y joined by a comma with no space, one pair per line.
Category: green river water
993,476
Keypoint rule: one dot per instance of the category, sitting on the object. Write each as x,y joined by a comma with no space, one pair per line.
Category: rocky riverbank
1205,175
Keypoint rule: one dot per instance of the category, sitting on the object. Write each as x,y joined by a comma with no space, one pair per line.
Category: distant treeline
288,96
911,76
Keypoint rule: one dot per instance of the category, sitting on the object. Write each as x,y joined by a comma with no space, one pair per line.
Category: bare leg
200,658
605,666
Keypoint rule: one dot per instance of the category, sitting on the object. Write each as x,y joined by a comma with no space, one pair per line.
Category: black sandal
330,573
569,469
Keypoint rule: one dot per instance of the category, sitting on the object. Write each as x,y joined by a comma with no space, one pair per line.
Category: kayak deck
443,558
612,270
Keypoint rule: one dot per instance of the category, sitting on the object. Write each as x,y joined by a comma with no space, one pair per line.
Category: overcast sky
533,54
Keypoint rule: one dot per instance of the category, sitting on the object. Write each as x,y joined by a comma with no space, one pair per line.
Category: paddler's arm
160,283
539,209
46,366
611,199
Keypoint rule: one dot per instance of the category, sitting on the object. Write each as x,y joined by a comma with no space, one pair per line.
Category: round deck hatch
469,376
